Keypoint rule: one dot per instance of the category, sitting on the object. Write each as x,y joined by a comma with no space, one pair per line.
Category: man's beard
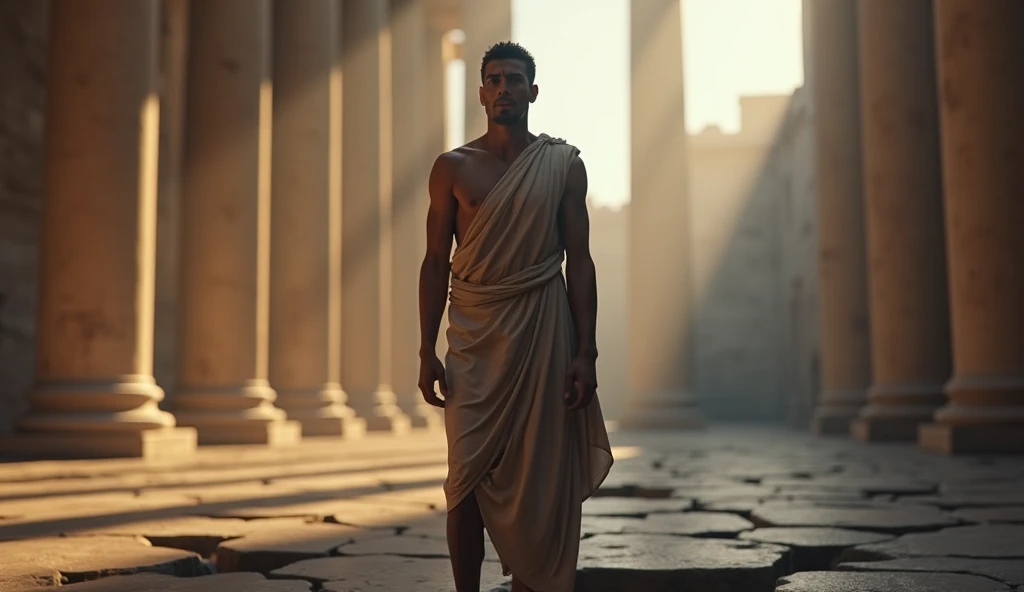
510,118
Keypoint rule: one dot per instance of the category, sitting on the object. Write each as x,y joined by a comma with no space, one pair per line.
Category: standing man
526,438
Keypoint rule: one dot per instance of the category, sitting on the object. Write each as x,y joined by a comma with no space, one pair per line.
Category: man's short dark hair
507,50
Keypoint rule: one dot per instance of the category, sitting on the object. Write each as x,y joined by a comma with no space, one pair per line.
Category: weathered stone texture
23,27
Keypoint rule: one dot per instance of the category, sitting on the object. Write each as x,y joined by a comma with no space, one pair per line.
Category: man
526,438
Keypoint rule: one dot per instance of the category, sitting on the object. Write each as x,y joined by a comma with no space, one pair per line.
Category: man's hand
580,383
431,371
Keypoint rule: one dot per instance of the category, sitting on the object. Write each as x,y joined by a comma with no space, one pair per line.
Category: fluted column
226,230
910,349
842,269
484,23
660,332
94,394
415,82
366,216
981,90
305,239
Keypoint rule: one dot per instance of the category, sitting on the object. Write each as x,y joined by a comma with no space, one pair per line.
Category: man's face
506,93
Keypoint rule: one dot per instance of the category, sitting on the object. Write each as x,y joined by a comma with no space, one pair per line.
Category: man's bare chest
476,180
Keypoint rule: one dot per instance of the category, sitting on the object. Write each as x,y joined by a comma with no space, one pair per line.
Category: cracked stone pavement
745,509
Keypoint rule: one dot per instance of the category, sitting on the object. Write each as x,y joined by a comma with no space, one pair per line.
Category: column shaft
366,215
660,333
981,66
173,82
484,23
94,394
910,347
842,269
305,240
415,80
226,230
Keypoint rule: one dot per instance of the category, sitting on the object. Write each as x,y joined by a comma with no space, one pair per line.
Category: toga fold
530,461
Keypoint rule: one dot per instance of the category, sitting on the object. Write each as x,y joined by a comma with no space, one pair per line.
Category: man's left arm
581,284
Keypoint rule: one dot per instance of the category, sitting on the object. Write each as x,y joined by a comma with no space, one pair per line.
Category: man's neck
508,141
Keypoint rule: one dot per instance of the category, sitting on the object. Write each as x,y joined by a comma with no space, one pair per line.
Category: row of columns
302,206
921,278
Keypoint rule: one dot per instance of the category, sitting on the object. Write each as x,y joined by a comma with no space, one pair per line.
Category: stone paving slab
823,581
625,507
814,548
861,485
265,551
591,525
365,512
198,534
408,546
696,524
1013,495
1007,571
994,515
49,561
997,541
148,582
612,563
893,518
379,573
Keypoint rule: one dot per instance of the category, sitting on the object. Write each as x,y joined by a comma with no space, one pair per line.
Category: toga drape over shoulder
511,439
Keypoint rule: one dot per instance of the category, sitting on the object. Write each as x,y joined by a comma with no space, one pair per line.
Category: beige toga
511,439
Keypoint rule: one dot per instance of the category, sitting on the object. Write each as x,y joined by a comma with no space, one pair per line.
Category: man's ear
534,90
480,95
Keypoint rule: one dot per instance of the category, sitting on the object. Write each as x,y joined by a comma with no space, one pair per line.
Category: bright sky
731,48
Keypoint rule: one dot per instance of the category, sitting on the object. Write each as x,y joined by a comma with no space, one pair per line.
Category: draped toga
511,438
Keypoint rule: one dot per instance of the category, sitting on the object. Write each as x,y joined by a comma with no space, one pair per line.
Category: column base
971,439
832,425
272,434
836,411
427,421
349,428
885,429
426,417
398,424
157,445
680,418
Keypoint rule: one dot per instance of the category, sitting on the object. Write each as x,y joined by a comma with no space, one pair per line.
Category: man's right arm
436,268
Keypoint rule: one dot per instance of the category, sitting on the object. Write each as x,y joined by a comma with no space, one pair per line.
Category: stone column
173,76
910,351
484,23
94,394
660,332
842,269
305,239
981,69
415,81
226,230
366,216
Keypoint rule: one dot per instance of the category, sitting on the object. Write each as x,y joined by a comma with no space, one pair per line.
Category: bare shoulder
446,167
576,180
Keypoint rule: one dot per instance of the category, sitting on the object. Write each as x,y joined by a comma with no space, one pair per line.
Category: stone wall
23,28
792,156
736,259
755,264
609,230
